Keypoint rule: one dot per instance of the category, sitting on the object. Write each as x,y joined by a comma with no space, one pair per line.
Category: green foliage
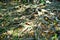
2,30
54,37
14,21
42,1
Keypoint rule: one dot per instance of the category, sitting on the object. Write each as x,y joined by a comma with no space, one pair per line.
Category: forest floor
24,22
